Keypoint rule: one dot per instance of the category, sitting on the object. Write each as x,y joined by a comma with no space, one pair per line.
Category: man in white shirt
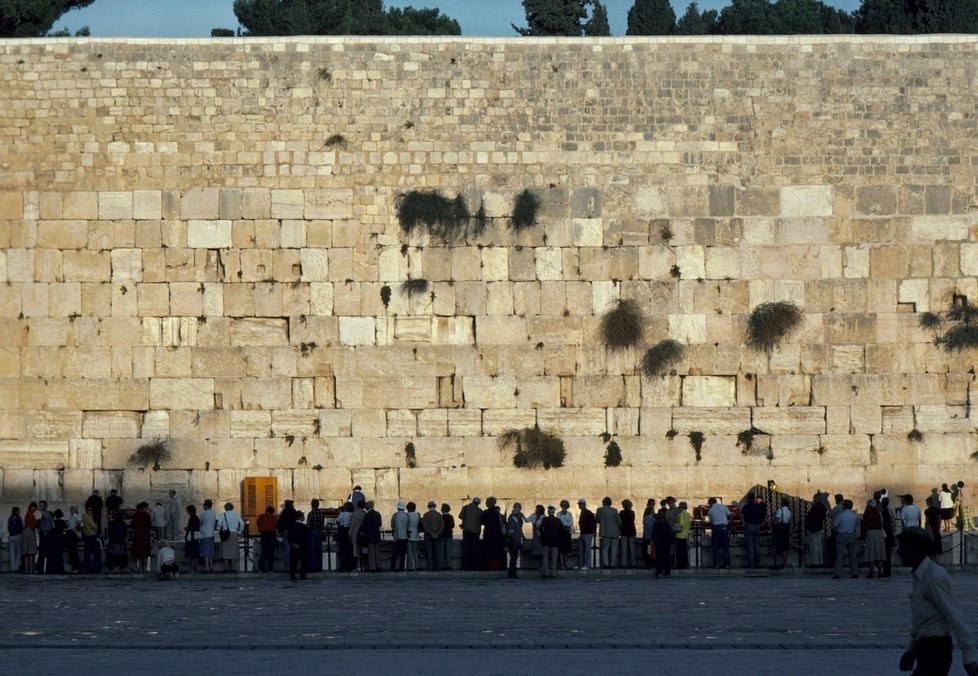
720,539
910,513
935,612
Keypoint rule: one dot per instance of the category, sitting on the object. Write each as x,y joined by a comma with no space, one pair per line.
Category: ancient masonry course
370,260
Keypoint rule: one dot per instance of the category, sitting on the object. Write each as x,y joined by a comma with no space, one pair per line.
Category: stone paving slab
484,624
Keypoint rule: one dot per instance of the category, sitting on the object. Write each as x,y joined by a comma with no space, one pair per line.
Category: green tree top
33,18
652,17
338,17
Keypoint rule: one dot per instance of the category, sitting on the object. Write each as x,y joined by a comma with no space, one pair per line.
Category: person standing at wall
268,540
719,517
609,525
935,612
372,521
316,521
587,526
493,535
847,528
191,538
471,520
175,516
514,538
299,542
231,523
662,539
550,530
95,503
755,513
414,536
208,526
73,538
447,538
92,552
433,525
685,522
15,540
628,533
782,533
399,531
814,532
285,519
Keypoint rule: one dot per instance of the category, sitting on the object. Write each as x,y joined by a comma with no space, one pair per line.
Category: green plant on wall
961,320
150,455
612,454
525,209
532,447
622,325
410,458
660,357
746,438
696,440
770,323
414,287
429,211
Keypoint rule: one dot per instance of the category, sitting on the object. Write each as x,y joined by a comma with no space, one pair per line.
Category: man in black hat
935,612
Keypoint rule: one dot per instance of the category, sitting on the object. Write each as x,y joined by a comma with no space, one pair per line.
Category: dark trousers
55,554
470,550
399,554
345,549
682,553
266,558
92,555
298,560
43,551
315,557
71,544
663,561
720,542
514,555
933,656
432,550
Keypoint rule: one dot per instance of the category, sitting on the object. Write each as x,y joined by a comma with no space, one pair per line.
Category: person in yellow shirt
685,523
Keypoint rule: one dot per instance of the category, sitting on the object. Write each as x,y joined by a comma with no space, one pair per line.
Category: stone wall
198,237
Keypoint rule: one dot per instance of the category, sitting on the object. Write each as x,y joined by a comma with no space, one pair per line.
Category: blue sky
195,18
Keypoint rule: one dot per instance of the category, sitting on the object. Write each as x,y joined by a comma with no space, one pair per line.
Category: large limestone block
335,423
288,203
266,393
488,392
328,203
250,424
111,425
209,234
453,331
402,423
85,453
845,450
946,419
18,484
866,418
792,420
200,203
54,425
114,205
62,234
572,422
433,422
33,454
181,393
98,395
711,391
464,422
439,452
404,392
77,485
147,205
806,200
711,421
496,422
259,332
832,389
294,423
500,330
357,331
486,452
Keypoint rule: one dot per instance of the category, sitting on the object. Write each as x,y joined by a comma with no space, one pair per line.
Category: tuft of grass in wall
318,468
414,287
150,455
525,210
671,434
915,435
612,455
325,75
665,233
622,326
696,440
532,447
409,455
746,438
930,320
385,295
660,357
335,141
675,272
428,210
770,323
480,221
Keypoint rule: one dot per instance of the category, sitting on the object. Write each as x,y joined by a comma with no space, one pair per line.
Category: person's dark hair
361,503
411,507
347,506
908,499
944,487
228,506
208,504
445,508
315,503
539,509
58,514
627,504
191,509
269,510
606,501
785,502
960,484
750,497
847,504
711,501
490,501
838,498
15,511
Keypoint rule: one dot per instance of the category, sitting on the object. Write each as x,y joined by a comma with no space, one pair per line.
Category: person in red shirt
268,532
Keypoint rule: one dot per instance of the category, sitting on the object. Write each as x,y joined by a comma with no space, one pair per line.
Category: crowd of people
610,536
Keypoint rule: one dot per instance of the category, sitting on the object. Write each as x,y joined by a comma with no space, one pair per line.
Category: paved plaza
719,622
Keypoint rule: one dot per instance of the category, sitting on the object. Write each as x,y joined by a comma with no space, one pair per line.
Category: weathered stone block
806,200
200,203
114,205
111,425
209,234
181,393
794,420
328,203
709,391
